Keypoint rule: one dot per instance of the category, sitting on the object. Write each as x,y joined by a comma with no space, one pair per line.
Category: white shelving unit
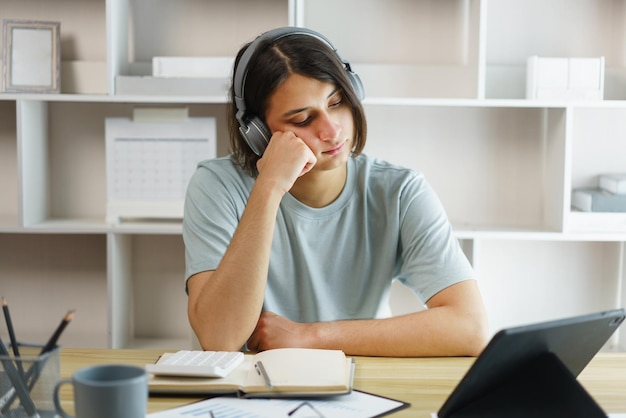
445,85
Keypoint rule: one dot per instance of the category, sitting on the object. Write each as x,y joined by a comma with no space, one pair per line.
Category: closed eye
336,103
335,99
305,122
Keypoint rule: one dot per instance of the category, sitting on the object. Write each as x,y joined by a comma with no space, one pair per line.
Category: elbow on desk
476,346
226,341
467,336
477,337
210,339
216,344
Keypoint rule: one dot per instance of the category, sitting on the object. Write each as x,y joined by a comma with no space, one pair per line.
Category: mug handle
57,401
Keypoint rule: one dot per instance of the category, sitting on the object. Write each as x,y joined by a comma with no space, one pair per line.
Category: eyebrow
302,109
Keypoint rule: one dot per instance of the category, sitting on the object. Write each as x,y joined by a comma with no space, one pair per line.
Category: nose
328,128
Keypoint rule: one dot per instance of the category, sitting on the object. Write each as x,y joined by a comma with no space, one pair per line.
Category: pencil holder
27,382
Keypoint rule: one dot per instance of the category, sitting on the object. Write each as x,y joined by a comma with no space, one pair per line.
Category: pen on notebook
261,371
52,342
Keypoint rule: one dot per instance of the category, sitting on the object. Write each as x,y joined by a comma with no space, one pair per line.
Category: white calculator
197,363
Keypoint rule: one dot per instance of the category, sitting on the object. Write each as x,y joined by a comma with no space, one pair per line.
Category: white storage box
565,78
194,67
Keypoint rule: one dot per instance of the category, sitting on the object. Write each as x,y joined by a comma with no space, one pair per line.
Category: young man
294,239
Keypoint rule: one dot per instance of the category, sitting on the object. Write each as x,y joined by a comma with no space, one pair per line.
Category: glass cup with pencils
28,373
27,382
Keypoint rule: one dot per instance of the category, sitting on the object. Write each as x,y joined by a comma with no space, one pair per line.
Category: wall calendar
149,165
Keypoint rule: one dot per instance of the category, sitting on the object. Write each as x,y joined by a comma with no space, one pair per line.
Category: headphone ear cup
256,135
357,84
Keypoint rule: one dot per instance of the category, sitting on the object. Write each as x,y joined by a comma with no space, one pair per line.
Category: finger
309,165
310,158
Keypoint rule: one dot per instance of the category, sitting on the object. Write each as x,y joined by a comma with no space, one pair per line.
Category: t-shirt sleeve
432,256
210,219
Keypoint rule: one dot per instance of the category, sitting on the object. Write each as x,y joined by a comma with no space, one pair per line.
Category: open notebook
292,372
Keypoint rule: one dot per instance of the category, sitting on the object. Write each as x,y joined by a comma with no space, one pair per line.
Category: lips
335,150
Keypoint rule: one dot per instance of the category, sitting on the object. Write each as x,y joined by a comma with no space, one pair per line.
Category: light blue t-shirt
335,262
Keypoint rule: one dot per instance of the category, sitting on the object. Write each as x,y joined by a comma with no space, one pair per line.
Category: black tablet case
530,371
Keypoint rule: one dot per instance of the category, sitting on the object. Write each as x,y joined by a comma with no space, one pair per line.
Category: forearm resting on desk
454,325
423,334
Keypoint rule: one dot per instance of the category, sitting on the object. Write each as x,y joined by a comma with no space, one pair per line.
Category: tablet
569,344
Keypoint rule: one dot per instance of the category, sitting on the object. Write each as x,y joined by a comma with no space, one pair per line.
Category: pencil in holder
27,382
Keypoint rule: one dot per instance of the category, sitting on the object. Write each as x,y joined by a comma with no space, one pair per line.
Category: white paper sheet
355,405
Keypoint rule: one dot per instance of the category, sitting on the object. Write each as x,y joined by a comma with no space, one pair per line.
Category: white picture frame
31,56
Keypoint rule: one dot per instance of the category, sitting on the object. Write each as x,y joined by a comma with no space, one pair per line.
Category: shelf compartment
598,147
139,30
418,49
547,287
518,29
44,276
83,38
492,167
62,161
599,144
147,291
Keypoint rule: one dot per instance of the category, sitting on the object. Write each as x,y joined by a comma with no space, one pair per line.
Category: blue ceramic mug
106,391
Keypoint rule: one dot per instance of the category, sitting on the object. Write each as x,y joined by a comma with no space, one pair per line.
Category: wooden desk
423,382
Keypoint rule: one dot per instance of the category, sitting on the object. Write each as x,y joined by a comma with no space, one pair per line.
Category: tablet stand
541,388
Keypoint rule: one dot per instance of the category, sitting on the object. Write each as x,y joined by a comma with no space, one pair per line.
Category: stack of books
608,196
